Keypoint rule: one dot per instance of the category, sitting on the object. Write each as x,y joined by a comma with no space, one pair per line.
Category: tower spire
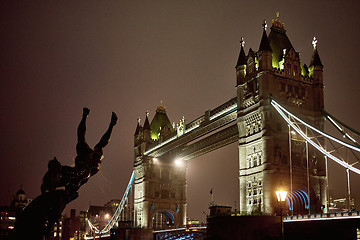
146,123
265,51
315,59
138,127
264,44
264,25
242,58
241,64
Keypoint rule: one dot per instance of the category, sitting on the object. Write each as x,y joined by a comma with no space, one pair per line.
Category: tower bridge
271,83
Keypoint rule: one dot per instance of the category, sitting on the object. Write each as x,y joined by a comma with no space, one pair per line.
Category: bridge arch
162,219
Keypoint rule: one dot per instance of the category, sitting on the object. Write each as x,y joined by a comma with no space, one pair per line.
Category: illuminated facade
160,183
264,157
249,119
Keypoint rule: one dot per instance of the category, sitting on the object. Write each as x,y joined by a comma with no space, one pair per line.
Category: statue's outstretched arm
82,126
106,137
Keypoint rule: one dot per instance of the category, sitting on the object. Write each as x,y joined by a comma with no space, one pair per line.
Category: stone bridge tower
264,157
160,183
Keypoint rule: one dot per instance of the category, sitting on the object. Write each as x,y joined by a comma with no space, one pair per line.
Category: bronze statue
60,185
51,179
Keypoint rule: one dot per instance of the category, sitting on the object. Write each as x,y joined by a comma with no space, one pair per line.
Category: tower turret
146,129
316,67
160,125
138,138
316,74
138,133
241,64
278,42
251,64
265,52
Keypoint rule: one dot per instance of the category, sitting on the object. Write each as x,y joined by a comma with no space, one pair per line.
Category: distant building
70,226
341,204
56,232
7,221
192,221
73,227
83,225
19,201
8,214
216,211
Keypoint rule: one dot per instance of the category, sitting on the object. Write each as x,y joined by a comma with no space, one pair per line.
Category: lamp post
281,196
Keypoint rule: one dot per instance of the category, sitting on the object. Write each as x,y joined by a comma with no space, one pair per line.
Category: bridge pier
160,193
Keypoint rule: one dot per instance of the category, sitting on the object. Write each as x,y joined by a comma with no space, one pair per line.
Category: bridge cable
118,211
280,109
330,116
282,112
335,122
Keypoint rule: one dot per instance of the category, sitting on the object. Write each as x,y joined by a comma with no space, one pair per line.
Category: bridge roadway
215,129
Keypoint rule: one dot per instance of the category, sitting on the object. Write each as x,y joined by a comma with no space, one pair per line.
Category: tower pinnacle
264,25
161,107
314,42
277,24
242,58
315,59
242,42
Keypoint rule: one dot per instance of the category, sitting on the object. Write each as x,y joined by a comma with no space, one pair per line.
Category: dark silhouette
60,185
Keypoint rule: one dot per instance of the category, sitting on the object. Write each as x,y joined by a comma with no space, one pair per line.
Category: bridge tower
160,183
265,164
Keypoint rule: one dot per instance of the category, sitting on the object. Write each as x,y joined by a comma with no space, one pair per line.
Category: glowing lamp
179,162
281,195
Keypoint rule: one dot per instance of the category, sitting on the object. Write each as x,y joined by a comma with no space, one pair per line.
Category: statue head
54,165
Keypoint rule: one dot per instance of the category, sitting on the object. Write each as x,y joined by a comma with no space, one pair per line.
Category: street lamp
281,196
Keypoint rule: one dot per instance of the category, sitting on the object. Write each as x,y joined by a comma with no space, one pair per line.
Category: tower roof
146,123
242,58
278,40
264,44
251,53
138,127
159,121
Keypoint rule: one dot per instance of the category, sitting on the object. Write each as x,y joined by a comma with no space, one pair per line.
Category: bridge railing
322,216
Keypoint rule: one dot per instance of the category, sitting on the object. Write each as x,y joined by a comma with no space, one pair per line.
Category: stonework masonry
264,154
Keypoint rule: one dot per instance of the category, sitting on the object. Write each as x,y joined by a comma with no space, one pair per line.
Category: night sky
126,56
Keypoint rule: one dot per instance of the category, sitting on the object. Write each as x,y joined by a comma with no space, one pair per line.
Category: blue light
296,196
306,197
